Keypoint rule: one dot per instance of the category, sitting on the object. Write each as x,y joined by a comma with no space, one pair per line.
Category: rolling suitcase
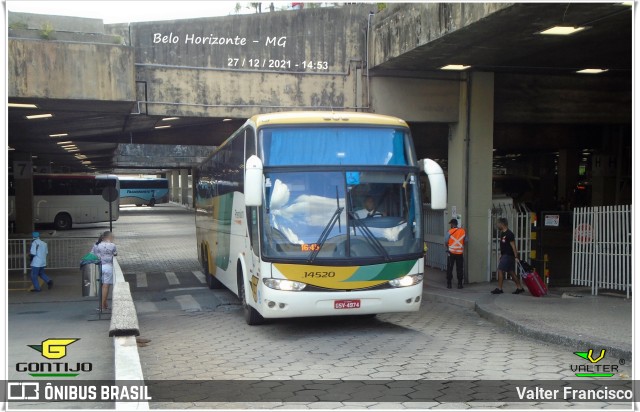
531,278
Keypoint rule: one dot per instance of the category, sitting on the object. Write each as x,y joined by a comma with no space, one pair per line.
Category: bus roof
333,118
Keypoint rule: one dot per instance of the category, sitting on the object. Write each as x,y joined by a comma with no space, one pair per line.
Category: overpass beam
470,169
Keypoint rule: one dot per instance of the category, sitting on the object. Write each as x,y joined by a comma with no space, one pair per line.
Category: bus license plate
346,304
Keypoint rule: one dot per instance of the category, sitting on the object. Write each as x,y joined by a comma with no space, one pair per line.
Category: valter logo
594,369
54,348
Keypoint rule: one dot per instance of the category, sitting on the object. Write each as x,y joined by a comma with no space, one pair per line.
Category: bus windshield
333,215
330,145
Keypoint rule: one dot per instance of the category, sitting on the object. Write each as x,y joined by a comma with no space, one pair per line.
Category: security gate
436,256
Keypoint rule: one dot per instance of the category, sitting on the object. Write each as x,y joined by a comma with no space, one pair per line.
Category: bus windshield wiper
325,234
370,237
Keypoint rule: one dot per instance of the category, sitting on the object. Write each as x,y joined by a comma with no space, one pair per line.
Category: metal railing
520,219
64,253
434,224
601,248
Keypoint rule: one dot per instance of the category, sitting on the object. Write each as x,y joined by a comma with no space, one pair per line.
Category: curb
126,356
484,311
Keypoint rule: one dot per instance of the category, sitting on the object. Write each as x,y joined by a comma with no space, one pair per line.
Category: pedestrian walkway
567,316
60,313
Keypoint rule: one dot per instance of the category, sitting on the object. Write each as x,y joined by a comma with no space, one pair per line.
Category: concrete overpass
192,82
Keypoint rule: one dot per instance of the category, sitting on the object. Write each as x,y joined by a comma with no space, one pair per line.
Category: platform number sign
22,170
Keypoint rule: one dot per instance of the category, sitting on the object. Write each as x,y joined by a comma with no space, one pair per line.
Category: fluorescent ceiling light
627,3
454,67
59,135
39,116
166,119
34,157
73,150
163,127
69,145
562,30
227,120
592,71
11,148
65,142
23,105
86,162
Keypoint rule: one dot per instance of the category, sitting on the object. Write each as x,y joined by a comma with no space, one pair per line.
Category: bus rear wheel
138,204
212,282
152,202
62,221
251,316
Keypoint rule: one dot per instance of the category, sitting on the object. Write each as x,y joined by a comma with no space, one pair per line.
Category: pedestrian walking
38,254
454,242
105,249
508,257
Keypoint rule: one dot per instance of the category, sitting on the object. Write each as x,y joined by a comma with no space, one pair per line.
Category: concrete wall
57,70
419,100
236,79
58,23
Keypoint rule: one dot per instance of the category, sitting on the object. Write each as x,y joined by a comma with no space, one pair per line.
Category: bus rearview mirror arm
437,183
253,181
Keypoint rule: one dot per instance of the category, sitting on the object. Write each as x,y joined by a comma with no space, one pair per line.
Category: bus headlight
405,281
284,284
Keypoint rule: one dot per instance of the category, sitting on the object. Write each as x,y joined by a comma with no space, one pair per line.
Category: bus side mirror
253,182
437,183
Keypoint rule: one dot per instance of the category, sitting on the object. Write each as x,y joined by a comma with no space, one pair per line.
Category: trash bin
91,271
90,277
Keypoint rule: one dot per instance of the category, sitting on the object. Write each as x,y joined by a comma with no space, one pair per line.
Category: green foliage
47,31
238,8
117,39
18,25
381,6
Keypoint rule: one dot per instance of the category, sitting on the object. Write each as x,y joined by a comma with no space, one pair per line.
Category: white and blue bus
66,199
315,214
143,191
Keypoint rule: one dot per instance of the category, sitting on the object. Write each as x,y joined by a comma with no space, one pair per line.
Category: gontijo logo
594,369
54,348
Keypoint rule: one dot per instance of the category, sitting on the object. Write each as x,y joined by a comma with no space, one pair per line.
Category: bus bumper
286,304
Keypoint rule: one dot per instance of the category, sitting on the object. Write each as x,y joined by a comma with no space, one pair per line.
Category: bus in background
143,191
315,214
64,199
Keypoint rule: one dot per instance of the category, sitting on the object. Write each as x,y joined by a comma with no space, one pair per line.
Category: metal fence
520,218
601,248
434,225
63,252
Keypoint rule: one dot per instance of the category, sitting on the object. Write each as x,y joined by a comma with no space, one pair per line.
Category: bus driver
369,209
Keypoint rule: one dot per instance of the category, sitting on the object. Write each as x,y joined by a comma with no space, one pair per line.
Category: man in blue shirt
38,253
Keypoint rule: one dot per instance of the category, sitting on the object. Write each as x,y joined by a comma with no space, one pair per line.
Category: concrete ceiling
508,41
96,128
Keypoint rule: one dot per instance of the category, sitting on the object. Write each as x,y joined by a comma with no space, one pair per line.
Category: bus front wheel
152,202
62,221
251,316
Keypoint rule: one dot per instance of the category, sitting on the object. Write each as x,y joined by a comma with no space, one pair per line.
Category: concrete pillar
470,170
184,186
175,186
23,178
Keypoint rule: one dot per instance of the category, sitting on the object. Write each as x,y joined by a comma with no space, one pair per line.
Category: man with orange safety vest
454,242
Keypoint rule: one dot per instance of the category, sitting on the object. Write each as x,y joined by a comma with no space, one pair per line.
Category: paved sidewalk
567,316
61,312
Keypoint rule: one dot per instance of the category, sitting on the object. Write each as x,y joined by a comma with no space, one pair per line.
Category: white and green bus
315,214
